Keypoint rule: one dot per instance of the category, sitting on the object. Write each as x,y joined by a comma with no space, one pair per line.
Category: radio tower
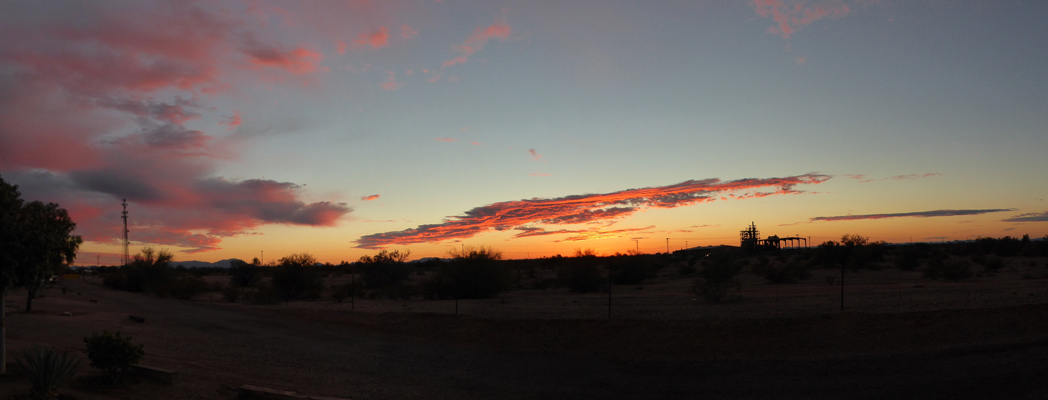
127,254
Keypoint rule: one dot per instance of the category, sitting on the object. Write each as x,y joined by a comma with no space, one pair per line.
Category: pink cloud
580,209
476,42
95,111
377,39
369,198
475,143
446,139
233,121
391,82
535,156
407,33
297,61
790,15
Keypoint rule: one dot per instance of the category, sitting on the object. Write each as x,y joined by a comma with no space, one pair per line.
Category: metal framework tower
127,253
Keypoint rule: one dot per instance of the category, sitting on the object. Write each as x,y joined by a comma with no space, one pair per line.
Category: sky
242,129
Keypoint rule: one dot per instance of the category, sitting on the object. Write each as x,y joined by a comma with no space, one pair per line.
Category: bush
113,354
991,263
786,273
582,276
627,270
47,369
243,274
188,287
297,277
948,269
908,259
384,268
719,280
231,294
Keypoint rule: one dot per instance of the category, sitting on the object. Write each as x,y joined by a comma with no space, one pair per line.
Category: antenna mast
127,253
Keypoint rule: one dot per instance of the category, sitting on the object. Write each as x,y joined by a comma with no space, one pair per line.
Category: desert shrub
627,270
265,293
719,280
687,268
400,291
231,294
47,369
581,277
188,287
384,268
472,273
297,277
786,273
149,271
991,263
114,279
953,269
243,274
908,259
113,354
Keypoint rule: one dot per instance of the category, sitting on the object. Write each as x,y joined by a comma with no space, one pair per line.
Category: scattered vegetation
47,369
719,280
383,269
113,354
297,277
951,269
472,273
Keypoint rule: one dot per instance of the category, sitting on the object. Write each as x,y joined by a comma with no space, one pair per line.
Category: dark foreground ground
990,352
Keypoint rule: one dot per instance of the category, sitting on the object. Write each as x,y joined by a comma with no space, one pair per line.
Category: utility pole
667,245
638,245
127,252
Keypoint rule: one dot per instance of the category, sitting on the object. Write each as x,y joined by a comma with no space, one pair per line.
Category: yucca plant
47,369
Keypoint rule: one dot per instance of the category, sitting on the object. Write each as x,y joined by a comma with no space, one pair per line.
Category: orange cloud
578,209
918,214
377,39
369,198
476,42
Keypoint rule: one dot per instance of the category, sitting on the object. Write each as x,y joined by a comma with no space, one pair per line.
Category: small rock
67,314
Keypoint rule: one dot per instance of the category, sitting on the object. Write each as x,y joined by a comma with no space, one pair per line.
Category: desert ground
899,336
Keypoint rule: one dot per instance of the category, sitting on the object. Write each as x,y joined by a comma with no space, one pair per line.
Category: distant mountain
203,264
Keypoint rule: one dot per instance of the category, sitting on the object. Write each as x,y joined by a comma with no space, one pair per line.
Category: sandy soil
900,336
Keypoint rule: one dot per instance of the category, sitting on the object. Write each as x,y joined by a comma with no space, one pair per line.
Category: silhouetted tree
384,268
10,205
296,276
476,273
243,274
48,245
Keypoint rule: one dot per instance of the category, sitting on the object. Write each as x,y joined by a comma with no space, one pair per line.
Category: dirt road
991,353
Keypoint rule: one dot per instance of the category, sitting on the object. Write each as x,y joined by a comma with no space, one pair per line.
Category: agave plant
47,369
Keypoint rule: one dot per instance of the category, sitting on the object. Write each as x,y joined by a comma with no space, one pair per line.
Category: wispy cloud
377,38
476,42
918,214
579,209
864,179
369,198
535,156
407,32
446,139
391,82
1029,217
232,121
790,15
539,174
705,226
